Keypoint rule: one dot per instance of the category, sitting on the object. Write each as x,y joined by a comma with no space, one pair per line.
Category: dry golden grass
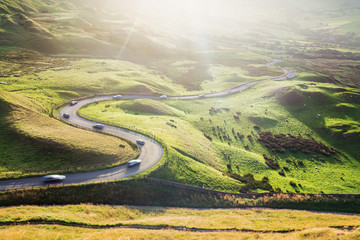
253,219
43,232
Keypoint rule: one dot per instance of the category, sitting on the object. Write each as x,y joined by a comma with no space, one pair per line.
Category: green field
283,107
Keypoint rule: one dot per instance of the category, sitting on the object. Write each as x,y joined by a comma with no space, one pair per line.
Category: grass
34,144
41,82
344,126
28,101
267,105
53,232
251,219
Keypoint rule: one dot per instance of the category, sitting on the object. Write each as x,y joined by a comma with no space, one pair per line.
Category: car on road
66,115
117,97
72,103
134,162
140,142
53,178
202,95
228,91
98,126
163,96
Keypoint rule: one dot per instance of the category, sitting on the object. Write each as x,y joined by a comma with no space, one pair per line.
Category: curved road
150,153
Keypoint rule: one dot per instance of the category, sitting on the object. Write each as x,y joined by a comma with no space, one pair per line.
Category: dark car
72,103
66,115
98,126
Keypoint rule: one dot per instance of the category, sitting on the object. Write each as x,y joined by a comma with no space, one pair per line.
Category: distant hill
143,30
77,27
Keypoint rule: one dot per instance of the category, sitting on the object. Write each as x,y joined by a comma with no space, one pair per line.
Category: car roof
53,176
135,160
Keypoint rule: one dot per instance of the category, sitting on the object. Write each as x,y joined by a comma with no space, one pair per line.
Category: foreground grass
250,219
43,232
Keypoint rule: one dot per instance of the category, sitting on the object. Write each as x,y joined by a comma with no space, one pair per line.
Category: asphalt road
150,153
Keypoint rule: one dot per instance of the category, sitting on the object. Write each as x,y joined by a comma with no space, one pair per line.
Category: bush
208,137
270,162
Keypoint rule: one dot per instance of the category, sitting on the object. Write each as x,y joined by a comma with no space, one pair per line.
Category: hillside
74,27
54,51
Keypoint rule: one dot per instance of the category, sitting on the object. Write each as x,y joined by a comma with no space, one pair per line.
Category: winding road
150,153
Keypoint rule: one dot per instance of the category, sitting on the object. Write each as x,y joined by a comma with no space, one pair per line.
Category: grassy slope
258,106
54,146
199,165
33,143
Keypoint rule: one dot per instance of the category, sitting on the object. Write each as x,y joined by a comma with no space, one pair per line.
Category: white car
72,103
163,96
117,97
133,162
98,126
140,142
202,95
53,178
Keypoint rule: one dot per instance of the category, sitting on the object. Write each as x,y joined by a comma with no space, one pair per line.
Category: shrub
292,184
270,162
208,137
281,172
